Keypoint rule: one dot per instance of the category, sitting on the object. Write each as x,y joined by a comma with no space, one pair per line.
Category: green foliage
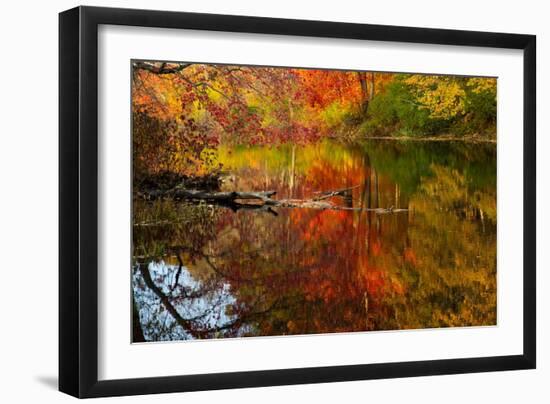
337,114
396,110
430,106
481,107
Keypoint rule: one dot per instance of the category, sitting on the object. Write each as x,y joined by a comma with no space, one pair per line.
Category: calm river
202,271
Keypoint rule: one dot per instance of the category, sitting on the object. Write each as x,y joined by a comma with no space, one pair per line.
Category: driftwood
345,192
263,200
212,196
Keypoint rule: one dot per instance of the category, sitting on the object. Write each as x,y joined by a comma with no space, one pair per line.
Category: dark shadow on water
48,381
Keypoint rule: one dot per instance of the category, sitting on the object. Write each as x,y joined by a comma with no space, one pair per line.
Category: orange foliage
323,87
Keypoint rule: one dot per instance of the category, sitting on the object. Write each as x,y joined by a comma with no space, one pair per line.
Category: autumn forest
278,201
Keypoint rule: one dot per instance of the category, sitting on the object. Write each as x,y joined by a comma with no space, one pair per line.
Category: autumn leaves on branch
183,112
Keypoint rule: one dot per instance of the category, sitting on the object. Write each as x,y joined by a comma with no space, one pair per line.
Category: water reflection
207,272
176,306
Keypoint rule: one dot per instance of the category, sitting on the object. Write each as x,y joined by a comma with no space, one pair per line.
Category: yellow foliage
442,96
481,84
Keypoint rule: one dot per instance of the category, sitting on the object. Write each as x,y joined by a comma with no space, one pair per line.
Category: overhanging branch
161,67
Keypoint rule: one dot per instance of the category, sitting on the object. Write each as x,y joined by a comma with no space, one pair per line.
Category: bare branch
261,199
161,68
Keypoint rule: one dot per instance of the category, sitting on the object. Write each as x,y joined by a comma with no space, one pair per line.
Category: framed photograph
251,201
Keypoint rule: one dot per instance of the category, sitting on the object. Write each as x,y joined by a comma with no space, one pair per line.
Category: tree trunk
364,103
372,88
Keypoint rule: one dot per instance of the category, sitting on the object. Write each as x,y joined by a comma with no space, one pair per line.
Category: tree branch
160,68
260,199
186,324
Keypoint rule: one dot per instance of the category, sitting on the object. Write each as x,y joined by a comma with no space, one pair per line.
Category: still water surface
203,271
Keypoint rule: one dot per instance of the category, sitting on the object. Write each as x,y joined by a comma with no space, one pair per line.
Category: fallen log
259,200
345,192
192,194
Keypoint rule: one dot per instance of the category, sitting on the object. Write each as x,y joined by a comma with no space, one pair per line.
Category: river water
202,271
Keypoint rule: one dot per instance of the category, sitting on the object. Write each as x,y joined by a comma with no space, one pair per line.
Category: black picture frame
78,201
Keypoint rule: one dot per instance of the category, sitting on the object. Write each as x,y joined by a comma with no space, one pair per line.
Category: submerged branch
338,192
211,196
257,200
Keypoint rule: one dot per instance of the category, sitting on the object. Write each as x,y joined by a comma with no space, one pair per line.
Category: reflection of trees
178,301
450,260
161,225
406,163
242,273
173,305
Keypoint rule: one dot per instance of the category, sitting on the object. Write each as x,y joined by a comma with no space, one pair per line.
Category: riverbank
442,138
354,133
